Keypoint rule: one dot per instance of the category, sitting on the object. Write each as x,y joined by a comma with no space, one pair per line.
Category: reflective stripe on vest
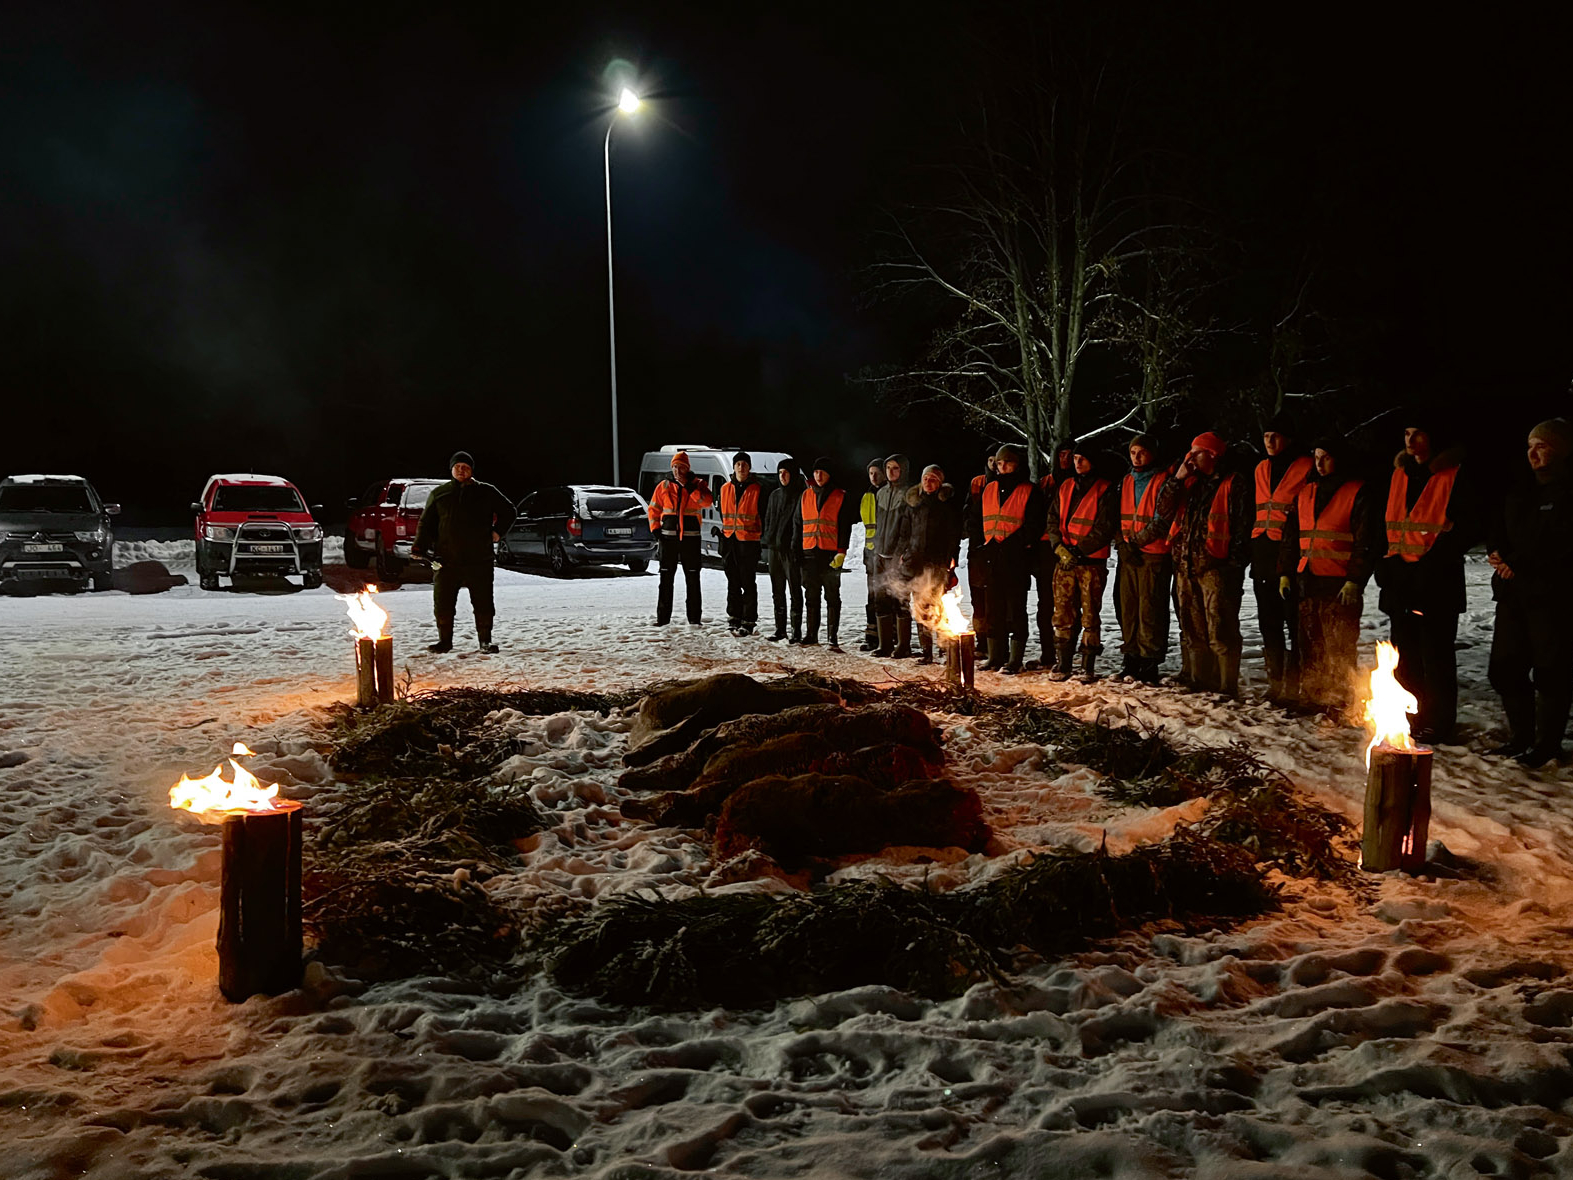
1000,522
1218,521
1327,542
1076,523
1412,531
1273,505
1135,517
741,519
672,507
820,520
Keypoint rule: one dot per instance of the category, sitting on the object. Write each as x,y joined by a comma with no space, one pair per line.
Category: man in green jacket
461,522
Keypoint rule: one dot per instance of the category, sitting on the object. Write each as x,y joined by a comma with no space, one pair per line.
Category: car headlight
217,532
308,532
91,534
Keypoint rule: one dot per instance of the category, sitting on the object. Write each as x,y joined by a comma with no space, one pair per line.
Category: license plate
39,548
619,532
267,549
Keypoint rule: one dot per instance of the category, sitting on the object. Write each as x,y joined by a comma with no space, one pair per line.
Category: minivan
713,464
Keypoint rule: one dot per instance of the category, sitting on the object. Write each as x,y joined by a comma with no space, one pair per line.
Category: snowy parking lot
1422,1029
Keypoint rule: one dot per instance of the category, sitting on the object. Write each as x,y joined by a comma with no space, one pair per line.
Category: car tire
354,556
638,566
389,569
558,556
311,579
207,581
105,581
504,555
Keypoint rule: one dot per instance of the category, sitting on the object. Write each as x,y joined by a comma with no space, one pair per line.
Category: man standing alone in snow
461,522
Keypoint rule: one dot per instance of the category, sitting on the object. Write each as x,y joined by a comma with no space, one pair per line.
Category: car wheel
559,559
504,555
311,579
207,581
638,566
105,581
389,569
354,556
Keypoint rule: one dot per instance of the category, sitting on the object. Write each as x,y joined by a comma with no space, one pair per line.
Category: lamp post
627,104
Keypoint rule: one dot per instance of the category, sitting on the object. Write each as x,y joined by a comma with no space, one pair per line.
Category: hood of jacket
1443,460
916,494
906,479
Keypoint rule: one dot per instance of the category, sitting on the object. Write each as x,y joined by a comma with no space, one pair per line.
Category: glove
838,561
1067,558
1348,594
1285,586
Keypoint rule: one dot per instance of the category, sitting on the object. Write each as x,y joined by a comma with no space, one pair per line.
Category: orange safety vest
1327,542
1076,524
740,519
1412,531
999,523
673,506
978,481
1217,542
1135,517
1273,505
820,520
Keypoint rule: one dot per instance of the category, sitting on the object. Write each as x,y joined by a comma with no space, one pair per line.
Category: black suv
580,524
54,528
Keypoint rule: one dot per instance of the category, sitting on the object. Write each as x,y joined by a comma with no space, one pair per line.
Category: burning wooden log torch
259,931
956,640
1398,775
373,649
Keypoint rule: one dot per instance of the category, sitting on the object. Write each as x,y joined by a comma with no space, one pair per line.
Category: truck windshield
257,498
618,504
416,495
43,497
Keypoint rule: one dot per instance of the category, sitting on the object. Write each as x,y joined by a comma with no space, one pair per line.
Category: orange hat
1208,441
681,457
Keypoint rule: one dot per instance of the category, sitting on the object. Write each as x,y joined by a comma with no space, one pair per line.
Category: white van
715,465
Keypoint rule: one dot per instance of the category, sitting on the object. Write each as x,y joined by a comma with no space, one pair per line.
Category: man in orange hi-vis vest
1211,546
674,517
1330,543
1431,520
1149,498
1277,484
1012,522
1081,516
823,520
742,527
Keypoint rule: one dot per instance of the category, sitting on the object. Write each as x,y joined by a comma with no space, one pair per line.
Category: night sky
337,242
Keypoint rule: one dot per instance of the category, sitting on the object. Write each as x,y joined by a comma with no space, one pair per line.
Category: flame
368,617
951,621
1387,711
214,797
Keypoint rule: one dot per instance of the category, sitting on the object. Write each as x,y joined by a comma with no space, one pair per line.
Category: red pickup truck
256,526
382,525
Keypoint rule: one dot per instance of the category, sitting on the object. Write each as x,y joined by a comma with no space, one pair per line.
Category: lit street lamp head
628,101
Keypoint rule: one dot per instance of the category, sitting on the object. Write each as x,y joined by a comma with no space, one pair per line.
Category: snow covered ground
1422,1030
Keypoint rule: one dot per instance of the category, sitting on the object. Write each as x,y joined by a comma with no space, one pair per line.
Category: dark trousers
1428,667
1532,670
889,590
786,577
1141,602
871,573
675,551
1327,637
978,590
450,579
740,560
1276,617
1044,563
819,577
1008,579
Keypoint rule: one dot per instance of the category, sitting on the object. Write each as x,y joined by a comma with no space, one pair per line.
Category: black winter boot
483,633
925,645
886,625
1064,660
444,637
870,631
1520,710
1018,649
1089,660
1551,721
903,638
997,646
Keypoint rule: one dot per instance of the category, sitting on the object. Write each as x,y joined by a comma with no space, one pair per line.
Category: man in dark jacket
1012,521
1149,499
1331,538
1532,556
1211,551
927,542
892,618
977,568
868,512
1431,520
459,527
742,533
786,551
1081,516
1277,483
823,520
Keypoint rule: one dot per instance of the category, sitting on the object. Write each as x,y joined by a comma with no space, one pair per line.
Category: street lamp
627,104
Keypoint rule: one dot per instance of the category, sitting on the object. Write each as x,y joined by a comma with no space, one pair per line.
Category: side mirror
316,509
352,502
196,508
112,509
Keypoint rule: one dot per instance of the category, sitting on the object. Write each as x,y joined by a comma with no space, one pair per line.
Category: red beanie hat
1208,441
681,457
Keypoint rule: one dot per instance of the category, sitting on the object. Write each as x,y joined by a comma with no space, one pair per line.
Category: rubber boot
887,635
832,624
997,654
1275,674
1089,660
1018,650
925,645
811,628
483,633
1520,710
903,638
1229,676
1551,720
444,637
870,631
1064,660
1045,662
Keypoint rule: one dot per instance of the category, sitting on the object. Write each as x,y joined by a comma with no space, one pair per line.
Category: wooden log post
259,925
960,658
384,676
374,672
1397,810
